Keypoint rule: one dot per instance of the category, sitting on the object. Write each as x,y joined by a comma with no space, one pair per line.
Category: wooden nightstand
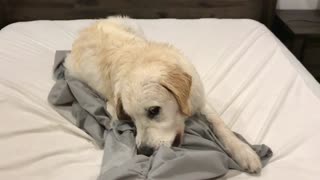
299,30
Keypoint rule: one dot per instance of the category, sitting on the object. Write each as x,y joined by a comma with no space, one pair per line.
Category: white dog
150,83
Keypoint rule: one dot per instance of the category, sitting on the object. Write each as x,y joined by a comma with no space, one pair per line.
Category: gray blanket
201,155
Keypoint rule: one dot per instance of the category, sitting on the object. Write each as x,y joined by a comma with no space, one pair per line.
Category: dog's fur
113,57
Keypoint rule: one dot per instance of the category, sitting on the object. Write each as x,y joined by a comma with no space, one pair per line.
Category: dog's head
158,104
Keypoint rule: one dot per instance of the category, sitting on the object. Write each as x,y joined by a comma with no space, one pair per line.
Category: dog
150,83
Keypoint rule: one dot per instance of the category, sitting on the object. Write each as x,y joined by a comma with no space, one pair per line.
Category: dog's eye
153,111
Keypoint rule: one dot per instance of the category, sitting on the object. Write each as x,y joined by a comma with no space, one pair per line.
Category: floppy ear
179,84
121,114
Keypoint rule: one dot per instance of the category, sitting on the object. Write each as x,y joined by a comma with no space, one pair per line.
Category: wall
298,4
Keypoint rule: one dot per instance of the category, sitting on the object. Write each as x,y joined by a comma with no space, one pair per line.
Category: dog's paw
246,157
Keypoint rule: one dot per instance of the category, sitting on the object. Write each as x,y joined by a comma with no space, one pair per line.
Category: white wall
298,4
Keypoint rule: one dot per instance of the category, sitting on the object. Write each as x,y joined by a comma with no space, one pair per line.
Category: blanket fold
201,156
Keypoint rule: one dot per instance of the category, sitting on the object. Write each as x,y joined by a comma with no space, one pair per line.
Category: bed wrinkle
248,81
19,164
59,123
73,162
250,96
243,49
48,128
71,36
276,109
299,69
32,39
206,76
44,129
32,108
226,53
22,45
28,95
290,147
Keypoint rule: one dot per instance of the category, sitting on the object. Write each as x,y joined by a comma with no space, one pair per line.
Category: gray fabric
201,155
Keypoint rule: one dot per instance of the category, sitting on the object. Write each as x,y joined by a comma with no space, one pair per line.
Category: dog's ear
179,84
121,114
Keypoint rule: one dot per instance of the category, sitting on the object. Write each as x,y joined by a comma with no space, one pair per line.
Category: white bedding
251,79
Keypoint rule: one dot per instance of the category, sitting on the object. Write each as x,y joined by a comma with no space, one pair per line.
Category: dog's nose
145,150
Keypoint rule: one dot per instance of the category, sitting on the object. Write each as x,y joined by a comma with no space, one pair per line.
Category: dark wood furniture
26,10
299,30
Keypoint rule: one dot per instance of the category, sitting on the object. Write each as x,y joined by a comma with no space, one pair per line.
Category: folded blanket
201,156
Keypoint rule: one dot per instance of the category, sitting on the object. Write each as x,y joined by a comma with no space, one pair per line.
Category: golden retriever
150,83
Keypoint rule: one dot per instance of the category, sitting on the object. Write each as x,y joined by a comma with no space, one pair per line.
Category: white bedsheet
251,79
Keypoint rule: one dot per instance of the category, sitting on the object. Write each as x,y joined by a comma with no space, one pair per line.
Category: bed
260,89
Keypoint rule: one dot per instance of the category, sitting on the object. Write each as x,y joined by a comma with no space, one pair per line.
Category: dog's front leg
242,153
111,110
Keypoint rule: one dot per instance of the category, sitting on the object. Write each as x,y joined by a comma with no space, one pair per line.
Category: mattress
259,88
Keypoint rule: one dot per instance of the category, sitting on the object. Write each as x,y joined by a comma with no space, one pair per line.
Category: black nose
145,150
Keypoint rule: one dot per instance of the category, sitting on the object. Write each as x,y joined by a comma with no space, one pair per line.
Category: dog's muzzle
148,150
145,150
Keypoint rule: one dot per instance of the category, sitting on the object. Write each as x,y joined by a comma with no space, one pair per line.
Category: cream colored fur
113,57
